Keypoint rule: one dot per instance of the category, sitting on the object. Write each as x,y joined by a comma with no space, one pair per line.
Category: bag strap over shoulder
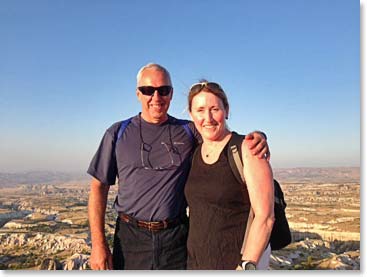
235,162
235,156
123,126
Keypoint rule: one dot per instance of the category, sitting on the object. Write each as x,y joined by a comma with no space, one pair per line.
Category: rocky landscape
45,225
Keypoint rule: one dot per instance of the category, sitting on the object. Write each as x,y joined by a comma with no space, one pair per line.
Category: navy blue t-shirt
151,173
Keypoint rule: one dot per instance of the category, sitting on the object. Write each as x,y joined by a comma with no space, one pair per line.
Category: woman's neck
211,149
224,136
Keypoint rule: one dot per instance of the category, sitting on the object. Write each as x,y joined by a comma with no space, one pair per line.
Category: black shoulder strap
236,164
235,156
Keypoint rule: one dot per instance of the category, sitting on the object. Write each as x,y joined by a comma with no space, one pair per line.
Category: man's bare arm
101,257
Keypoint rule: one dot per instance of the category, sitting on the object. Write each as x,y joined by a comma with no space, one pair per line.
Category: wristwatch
247,265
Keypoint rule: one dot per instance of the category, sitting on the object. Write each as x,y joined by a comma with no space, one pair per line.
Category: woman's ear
227,113
191,116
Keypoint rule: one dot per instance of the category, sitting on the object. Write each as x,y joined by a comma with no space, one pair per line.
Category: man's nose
156,94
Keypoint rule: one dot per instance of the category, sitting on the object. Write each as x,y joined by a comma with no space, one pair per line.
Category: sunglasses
209,85
149,90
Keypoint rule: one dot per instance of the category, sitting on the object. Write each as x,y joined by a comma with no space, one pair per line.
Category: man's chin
159,117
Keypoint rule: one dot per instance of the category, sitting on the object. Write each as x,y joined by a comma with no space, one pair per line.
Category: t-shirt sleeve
196,133
103,165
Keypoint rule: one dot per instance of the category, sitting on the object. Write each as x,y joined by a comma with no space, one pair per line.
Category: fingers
99,266
260,148
102,266
252,141
102,263
110,264
258,145
264,154
249,136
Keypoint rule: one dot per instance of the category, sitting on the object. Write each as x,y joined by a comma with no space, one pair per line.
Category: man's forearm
97,210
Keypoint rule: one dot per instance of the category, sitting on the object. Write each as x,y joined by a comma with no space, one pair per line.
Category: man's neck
154,120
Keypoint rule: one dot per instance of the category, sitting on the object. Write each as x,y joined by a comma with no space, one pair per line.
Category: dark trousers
137,248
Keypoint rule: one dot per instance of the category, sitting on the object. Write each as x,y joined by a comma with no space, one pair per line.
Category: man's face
154,107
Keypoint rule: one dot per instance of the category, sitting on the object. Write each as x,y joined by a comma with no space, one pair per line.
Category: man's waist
154,225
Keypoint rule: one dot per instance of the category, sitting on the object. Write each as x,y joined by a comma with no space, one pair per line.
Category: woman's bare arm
259,180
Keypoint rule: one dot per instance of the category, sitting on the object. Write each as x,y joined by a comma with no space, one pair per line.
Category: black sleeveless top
218,208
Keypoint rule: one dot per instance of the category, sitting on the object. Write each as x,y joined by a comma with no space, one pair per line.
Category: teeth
156,106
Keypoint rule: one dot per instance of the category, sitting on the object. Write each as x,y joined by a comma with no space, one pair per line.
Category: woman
219,205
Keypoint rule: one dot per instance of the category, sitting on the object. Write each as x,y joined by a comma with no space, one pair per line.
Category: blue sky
68,71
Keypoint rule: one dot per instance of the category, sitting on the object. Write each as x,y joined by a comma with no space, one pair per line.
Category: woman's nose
208,116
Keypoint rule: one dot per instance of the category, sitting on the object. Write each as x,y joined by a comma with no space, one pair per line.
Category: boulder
50,264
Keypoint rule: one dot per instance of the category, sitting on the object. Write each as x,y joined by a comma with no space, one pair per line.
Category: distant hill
37,177
301,175
318,175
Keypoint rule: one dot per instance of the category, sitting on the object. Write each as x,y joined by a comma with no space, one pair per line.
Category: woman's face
209,115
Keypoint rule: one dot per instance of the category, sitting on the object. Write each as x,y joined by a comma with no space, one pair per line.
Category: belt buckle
150,228
154,226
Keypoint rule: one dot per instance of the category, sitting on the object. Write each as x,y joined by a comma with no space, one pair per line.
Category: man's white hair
155,66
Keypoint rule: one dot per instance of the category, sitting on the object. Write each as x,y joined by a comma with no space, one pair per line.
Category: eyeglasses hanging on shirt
172,153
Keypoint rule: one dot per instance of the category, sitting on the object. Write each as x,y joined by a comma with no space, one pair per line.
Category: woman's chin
209,136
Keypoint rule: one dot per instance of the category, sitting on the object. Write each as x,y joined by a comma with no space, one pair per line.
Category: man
151,159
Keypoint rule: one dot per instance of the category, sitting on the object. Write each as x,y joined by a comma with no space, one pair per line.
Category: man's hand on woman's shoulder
256,142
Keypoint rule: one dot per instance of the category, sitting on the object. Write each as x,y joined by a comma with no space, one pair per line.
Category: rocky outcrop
76,262
50,264
47,243
346,261
18,225
317,254
13,215
29,207
43,251
304,230
8,216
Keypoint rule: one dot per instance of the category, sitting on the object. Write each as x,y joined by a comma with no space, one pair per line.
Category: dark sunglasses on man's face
149,90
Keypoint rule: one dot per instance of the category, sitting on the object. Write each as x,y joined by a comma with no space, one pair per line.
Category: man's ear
170,98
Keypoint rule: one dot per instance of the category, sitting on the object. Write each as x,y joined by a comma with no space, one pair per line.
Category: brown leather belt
153,225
